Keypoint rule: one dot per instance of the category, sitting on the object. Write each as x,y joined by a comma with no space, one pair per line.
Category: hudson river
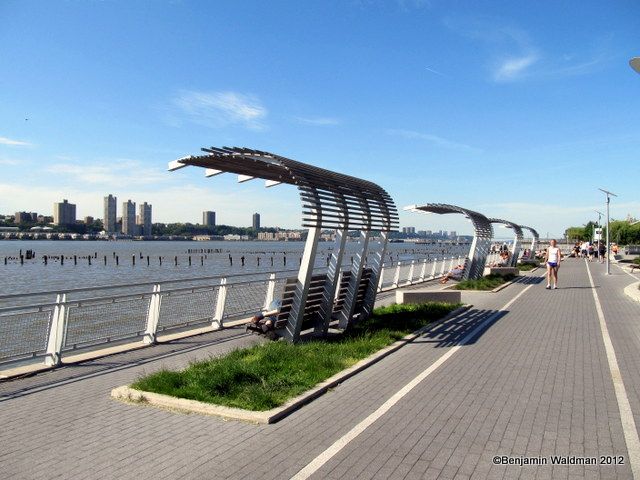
34,275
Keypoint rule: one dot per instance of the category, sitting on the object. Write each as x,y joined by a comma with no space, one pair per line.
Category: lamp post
609,195
635,63
600,215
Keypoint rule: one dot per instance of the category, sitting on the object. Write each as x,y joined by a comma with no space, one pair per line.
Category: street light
600,215
609,195
635,63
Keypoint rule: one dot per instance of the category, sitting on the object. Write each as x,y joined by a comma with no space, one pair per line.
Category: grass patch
485,283
526,267
266,376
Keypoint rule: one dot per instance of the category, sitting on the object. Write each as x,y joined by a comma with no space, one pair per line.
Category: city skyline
497,108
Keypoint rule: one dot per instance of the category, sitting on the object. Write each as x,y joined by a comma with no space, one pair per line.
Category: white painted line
626,415
343,441
625,271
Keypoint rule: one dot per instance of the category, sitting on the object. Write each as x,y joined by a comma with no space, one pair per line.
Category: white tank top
554,253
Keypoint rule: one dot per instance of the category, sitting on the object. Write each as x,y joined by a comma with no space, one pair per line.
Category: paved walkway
524,373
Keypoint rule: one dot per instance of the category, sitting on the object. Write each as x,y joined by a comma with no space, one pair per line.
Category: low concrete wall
424,296
502,271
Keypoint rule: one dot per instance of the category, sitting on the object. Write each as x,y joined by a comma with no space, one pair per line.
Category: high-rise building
453,234
64,213
109,219
25,217
88,220
409,230
256,221
129,226
144,220
209,218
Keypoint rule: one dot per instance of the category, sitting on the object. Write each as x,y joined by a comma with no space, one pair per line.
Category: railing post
56,331
271,289
380,280
444,265
153,315
396,277
433,270
220,304
411,271
423,271
451,264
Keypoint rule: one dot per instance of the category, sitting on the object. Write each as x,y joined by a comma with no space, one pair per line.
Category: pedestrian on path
553,259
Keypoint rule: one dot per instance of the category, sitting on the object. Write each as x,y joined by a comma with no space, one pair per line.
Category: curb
130,395
632,291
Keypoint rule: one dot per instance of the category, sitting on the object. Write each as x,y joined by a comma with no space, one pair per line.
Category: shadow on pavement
70,373
452,332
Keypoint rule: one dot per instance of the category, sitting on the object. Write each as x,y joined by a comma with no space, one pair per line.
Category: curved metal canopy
481,240
329,199
518,240
535,240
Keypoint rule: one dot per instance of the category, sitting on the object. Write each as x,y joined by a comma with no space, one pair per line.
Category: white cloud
220,109
108,173
13,143
514,67
9,161
513,55
433,139
319,121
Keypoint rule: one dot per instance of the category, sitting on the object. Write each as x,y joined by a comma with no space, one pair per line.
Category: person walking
553,259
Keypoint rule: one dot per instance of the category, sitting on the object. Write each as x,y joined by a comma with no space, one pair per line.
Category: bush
485,283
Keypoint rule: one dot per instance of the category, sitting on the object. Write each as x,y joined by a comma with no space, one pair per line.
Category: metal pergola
330,200
534,240
517,241
483,234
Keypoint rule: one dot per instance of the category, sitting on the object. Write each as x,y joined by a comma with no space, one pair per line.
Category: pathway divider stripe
626,414
343,441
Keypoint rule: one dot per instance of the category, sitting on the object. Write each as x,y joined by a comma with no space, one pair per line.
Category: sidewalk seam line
626,414
343,441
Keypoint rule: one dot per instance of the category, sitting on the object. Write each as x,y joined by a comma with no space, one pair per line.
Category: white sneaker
555,287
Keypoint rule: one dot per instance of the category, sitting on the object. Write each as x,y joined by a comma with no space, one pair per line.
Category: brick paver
534,383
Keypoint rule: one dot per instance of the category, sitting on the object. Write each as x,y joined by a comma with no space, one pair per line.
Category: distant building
109,218
129,226
144,220
409,230
453,234
256,221
88,220
64,213
25,217
209,218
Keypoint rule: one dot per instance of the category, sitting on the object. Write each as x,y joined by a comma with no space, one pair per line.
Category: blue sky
520,110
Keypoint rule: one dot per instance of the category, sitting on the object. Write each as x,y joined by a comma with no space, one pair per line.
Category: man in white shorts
553,259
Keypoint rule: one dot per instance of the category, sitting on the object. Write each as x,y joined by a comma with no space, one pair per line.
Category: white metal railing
45,326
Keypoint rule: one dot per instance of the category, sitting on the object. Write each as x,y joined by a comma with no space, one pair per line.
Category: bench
312,309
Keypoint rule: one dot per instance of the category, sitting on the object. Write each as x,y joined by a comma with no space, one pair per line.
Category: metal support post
56,332
153,315
331,283
451,264
411,270
444,266
396,277
220,304
376,275
349,307
433,270
271,290
296,315
423,271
